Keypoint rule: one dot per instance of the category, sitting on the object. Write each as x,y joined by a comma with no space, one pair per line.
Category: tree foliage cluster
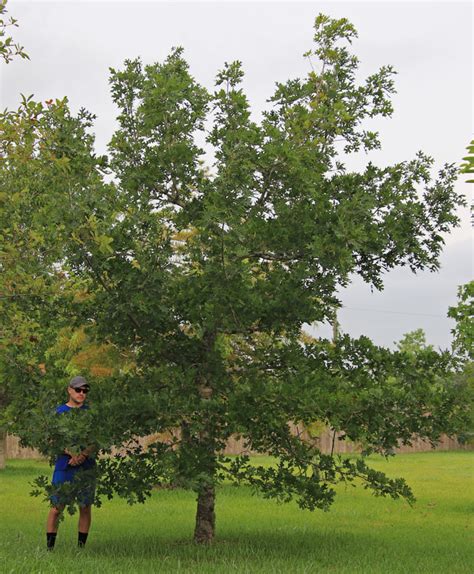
468,165
8,50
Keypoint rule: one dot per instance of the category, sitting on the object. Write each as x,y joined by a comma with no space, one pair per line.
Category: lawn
361,533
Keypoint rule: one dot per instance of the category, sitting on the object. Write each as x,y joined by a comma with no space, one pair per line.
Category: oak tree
206,274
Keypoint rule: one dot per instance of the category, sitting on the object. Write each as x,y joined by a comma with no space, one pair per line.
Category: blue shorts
83,493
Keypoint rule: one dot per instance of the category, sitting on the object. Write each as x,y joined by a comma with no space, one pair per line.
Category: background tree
28,273
463,347
413,342
206,275
8,50
463,314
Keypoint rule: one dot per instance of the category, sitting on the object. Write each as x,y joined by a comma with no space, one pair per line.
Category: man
66,468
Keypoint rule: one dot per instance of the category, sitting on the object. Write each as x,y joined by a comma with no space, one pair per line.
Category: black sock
50,540
81,539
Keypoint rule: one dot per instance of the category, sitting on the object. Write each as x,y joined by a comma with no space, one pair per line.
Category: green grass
361,533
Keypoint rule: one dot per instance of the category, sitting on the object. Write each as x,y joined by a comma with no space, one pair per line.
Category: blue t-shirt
62,462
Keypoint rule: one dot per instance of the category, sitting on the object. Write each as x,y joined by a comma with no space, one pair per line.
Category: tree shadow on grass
325,548
276,548
290,550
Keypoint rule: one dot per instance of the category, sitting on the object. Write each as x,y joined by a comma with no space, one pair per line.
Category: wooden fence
327,442
14,450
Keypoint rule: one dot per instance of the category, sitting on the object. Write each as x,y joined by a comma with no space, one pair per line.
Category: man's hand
77,460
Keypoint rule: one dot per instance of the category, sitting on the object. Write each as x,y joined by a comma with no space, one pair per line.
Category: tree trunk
205,516
204,530
3,448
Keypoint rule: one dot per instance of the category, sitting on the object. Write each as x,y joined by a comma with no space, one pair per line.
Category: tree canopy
201,277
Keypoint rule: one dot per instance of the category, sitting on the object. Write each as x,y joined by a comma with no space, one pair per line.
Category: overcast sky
73,44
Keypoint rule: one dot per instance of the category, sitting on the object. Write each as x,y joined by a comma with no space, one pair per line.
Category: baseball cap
77,382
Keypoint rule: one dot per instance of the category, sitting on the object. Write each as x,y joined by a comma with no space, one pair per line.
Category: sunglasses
82,390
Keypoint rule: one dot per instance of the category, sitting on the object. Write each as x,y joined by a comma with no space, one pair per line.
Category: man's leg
59,477
85,517
52,526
